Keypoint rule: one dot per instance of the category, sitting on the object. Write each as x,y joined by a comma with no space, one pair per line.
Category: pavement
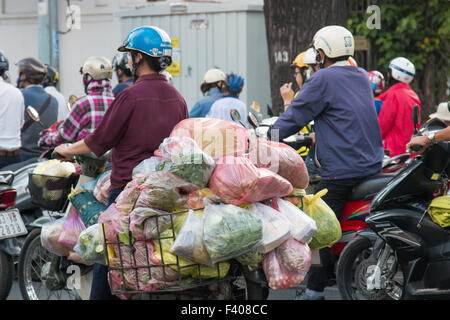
331,293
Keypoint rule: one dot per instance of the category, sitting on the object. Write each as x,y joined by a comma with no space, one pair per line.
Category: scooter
356,209
402,254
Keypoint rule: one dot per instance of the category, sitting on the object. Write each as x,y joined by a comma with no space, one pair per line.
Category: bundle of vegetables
164,191
189,241
230,231
282,159
46,175
199,198
91,245
328,227
236,180
252,258
151,164
215,137
287,265
101,190
116,225
188,161
148,223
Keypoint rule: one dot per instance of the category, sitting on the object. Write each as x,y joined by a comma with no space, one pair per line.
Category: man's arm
424,141
79,147
306,106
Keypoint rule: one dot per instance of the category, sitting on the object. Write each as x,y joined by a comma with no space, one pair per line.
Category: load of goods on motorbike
207,201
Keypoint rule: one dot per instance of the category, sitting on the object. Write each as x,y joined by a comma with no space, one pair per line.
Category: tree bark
290,27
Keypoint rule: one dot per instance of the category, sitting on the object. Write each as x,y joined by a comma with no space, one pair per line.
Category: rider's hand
312,135
287,93
422,141
62,150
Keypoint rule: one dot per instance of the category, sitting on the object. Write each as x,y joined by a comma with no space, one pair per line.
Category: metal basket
129,270
50,192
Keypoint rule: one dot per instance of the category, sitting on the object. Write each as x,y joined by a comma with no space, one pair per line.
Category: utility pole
48,32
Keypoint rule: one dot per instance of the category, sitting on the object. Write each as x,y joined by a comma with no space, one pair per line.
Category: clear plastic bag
286,266
282,159
276,228
151,164
101,190
302,226
188,161
189,241
50,234
71,230
236,180
230,231
91,245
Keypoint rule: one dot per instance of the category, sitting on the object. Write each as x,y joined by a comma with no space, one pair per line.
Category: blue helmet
150,40
234,83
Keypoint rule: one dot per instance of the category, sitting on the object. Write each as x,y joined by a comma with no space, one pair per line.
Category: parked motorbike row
390,248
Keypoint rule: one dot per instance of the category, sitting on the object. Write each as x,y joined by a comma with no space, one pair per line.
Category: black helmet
33,69
120,61
4,64
51,78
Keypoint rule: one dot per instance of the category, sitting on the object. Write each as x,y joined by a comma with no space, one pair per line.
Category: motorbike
402,254
356,209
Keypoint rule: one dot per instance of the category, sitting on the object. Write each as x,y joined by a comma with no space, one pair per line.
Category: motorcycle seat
368,188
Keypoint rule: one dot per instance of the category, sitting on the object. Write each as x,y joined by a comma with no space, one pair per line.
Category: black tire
6,274
345,269
256,291
27,273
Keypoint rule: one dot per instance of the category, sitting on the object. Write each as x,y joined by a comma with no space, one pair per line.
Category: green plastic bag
439,211
328,227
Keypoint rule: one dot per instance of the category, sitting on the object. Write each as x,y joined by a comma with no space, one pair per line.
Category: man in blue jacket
211,88
349,148
31,76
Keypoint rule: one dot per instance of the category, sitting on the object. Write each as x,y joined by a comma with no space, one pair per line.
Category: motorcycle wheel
33,260
6,274
352,271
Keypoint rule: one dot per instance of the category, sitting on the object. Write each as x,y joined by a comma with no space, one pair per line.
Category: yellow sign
174,42
175,69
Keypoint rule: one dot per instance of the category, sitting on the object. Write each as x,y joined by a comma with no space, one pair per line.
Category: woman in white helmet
87,111
396,115
348,145
213,80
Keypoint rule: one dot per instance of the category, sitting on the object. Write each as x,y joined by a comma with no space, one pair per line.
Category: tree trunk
290,27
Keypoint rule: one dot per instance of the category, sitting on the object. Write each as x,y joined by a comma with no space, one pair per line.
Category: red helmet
377,81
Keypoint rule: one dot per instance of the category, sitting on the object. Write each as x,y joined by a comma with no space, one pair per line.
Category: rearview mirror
252,120
234,114
415,117
71,101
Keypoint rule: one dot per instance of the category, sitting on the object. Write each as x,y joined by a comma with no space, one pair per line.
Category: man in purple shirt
136,123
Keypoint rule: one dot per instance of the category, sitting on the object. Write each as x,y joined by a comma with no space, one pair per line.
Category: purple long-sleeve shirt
136,123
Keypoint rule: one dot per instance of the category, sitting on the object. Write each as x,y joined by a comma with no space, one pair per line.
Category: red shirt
136,123
395,117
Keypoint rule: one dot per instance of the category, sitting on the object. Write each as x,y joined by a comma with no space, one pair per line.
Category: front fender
39,222
368,234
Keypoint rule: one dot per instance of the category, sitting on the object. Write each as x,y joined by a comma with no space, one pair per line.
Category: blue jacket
202,107
36,96
348,140
121,86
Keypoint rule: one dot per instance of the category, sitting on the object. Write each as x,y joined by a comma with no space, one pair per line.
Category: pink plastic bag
286,266
101,190
71,230
236,180
214,136
282,159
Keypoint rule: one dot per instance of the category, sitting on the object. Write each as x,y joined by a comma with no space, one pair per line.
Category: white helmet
442,112
402,69
214,75
335,41
309,57
97,67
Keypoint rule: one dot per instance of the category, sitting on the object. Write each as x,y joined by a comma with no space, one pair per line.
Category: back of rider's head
333,43
150,46
212,79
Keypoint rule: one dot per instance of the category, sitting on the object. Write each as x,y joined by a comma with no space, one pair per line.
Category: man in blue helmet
136,123
231,89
